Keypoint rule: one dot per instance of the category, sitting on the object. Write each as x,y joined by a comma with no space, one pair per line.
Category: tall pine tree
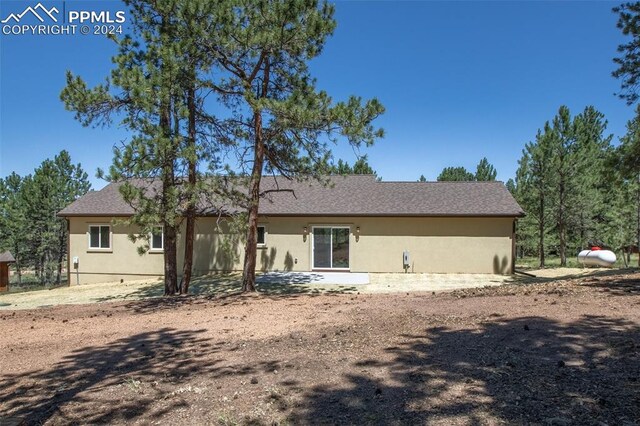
283,124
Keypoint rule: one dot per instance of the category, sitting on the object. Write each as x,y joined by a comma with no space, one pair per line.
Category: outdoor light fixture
357,234
304,234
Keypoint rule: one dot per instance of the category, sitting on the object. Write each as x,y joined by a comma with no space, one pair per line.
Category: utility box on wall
406,260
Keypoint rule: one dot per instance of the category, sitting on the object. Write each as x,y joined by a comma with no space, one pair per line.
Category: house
5,259
354,224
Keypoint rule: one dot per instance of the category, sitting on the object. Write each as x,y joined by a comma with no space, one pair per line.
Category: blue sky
459,80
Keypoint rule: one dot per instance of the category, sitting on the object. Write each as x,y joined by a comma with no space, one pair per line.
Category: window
157,238
262,236
99,237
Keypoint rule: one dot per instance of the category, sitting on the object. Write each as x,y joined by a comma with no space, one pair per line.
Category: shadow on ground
220,285
621,286
524,279
515,372
120,381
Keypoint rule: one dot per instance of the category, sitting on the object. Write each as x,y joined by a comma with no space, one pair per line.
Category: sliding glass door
331,247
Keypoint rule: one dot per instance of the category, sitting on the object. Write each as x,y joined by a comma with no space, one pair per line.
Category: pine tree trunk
59,272
61,253
250,253
43,267
168,179
188,252
170,257
250,256
562,226
541,233
638,221
18,265
563,245
191,208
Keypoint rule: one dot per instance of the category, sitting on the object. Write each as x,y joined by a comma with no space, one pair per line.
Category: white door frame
331,252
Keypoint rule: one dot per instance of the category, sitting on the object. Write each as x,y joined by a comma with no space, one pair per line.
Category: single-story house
355,224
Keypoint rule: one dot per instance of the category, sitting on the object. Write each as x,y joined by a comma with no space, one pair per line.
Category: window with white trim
261,236
156,238
99,237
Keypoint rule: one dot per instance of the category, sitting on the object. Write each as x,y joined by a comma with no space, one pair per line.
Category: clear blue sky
459,80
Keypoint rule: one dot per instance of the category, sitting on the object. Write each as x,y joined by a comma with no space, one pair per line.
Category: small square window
157,238
262,235
99,237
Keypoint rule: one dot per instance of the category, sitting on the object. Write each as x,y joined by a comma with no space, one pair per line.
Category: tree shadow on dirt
229,284
120,381
621,286
598,273
151,305
520,371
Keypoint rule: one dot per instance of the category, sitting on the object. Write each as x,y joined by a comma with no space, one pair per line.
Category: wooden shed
5,259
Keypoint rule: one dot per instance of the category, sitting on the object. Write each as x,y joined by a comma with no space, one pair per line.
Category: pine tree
628,70
591,188
53,186
156,74
459,174
13,222
282,123
564,184
563,148
485,171
628,164
360,167
534,183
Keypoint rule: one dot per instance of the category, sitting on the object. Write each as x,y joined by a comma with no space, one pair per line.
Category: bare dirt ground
558,352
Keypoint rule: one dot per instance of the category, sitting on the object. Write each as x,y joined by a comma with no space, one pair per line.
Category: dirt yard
560,352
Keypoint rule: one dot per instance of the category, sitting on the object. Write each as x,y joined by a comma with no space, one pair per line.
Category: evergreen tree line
29,226
577,189
485,171
360,167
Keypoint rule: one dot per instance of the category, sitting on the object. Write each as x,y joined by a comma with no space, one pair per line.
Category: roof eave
393,215
61,214
521,214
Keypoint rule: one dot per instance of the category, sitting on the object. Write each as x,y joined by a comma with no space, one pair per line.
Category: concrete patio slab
390,283
314,278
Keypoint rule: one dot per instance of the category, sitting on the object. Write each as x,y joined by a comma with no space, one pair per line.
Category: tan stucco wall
121,262
447,245
440,245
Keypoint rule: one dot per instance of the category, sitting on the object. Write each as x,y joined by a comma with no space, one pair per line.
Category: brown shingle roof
354,195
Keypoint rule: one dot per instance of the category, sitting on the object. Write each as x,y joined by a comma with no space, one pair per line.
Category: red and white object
597,257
